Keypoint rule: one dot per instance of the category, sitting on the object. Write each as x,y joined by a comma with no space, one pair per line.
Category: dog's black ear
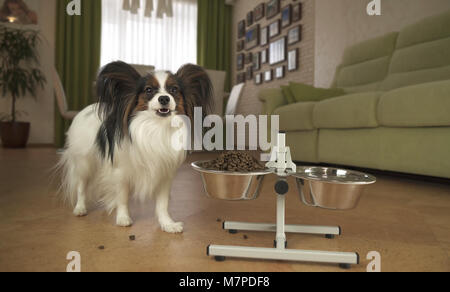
115,81
197,89
116,89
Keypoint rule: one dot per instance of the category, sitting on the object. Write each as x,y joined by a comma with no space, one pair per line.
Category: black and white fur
121,147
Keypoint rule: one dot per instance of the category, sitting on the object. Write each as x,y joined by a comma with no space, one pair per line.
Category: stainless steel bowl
331,188
230,186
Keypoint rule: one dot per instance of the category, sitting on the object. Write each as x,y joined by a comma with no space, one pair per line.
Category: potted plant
19,76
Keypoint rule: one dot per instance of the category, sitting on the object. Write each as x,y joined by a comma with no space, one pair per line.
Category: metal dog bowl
331,188
231,186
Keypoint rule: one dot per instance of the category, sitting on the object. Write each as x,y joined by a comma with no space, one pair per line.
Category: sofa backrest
422,53
366,64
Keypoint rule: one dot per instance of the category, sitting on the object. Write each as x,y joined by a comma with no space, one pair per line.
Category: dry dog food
236,161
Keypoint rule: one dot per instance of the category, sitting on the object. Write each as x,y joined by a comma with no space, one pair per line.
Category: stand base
233,227
344,259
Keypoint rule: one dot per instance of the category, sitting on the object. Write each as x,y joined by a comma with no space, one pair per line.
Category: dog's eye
173,90
149,90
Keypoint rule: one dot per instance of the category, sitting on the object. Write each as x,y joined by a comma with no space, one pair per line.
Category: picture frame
249,73
264,36
293,60
241,29
240,45
258,79
277,51
275,29
297,11
248,58
249,19
272,8
280,72
265,56
286,16
252,37
256,61
24,16
259,12
294,35
240,61
268,76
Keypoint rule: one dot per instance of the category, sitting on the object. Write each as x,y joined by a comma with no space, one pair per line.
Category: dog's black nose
164,100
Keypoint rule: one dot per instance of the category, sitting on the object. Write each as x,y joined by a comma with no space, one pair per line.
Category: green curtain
214,36
77,57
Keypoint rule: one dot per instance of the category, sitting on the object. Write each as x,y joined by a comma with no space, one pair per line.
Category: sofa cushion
366,62
420,63
303,92
422,105
428,29
371,49
422,53
363,73
288,94
272,98
347,112
422,56
296,117
363,88
403,79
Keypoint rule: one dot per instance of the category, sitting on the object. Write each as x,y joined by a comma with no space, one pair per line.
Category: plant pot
14,135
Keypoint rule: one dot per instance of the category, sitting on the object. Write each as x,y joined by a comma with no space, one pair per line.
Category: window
166,43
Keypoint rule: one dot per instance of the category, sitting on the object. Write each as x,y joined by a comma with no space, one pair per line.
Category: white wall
340,23
41,111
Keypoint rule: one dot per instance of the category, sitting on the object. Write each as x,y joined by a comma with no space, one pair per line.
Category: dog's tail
65,170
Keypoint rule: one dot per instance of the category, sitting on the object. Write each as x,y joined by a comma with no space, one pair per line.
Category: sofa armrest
272,99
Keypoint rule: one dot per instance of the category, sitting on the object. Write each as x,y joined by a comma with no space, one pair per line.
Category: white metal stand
281,161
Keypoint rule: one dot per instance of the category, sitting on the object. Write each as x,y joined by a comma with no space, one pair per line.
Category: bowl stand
280,252
281,160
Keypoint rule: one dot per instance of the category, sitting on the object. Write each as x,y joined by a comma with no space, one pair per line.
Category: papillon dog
121,147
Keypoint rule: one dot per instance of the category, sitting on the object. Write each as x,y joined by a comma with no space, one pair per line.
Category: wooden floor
406,221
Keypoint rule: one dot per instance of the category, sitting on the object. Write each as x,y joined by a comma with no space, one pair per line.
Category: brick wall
249,103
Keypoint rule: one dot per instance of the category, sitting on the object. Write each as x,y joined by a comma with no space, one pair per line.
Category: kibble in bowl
233,176
234,161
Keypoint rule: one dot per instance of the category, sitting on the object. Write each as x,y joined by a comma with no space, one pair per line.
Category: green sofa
394,114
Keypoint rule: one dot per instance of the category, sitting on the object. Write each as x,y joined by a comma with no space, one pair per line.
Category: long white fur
144,167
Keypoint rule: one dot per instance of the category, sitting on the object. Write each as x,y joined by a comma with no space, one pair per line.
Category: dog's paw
124,221
80,211
172,227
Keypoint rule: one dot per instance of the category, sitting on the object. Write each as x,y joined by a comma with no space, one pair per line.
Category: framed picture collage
275,42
